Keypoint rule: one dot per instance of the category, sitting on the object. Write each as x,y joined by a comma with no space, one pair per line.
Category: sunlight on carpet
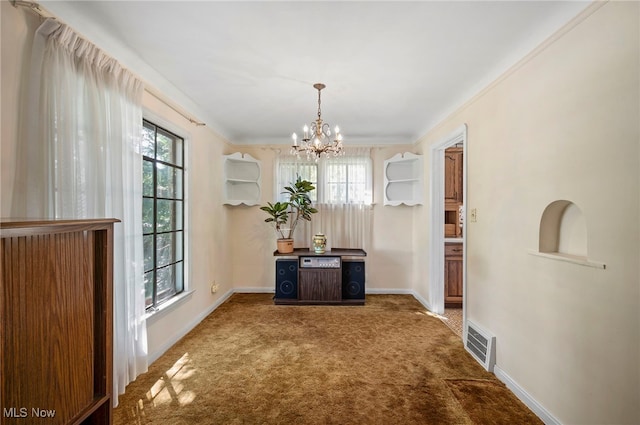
170,387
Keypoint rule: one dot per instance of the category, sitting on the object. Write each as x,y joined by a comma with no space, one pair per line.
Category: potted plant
286,215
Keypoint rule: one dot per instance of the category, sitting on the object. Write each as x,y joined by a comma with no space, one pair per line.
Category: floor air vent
481,345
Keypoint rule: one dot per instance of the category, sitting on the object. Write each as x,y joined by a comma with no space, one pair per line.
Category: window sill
155,314
575,259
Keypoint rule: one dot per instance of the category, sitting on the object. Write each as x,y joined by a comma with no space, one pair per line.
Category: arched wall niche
563,234
563,229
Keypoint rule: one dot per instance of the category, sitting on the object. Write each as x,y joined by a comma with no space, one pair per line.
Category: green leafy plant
278,215
297,208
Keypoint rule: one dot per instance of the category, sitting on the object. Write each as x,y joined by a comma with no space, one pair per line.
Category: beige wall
563,125
389,259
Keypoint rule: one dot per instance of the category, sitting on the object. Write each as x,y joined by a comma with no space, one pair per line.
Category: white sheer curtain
344,225
81,159
343,197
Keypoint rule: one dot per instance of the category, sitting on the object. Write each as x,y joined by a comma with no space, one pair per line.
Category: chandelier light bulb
294,136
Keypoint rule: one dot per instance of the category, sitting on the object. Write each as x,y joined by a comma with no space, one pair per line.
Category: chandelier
317,139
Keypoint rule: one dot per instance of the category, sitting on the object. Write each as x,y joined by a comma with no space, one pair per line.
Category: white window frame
160,310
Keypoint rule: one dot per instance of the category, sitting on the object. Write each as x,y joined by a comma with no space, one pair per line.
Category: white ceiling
392,69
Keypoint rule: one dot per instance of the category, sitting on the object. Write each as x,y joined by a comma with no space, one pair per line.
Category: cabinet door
453,275
453,175
320,285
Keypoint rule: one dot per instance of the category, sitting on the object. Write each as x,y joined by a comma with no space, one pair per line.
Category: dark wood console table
335,252
304,277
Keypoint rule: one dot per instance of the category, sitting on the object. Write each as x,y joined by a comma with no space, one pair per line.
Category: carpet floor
252,362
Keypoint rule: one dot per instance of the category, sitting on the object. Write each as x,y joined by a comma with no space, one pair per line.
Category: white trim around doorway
436,259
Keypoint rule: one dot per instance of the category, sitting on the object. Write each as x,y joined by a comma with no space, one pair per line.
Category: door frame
436,261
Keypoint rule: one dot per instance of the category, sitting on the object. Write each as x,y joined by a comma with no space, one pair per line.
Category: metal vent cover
481,345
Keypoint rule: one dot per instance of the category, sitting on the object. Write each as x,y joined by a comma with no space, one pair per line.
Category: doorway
448,224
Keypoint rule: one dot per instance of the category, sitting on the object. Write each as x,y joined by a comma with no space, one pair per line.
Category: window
162,213
346,182
289,169
342,197
342,180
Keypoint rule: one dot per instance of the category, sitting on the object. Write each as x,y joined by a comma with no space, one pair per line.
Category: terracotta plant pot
285,246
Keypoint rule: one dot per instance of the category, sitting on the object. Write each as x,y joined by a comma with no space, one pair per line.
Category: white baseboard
256,289
544,415
421,300
415,295
388,291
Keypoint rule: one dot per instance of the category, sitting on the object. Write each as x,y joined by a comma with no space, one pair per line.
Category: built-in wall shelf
403,179
242,176
563,235
568,258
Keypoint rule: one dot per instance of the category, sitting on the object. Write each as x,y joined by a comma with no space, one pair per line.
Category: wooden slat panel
56,321
49,298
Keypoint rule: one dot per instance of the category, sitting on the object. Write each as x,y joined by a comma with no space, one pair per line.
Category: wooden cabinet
453,274
309,278
453,175
453,190
453,206
56,321
242,176
452,227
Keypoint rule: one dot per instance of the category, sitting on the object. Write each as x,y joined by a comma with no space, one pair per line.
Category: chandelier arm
326,130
